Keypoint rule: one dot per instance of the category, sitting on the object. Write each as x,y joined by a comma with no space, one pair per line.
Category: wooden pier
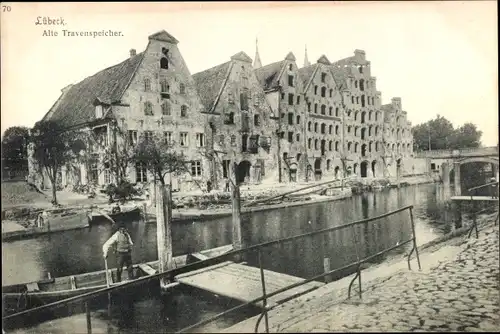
242,282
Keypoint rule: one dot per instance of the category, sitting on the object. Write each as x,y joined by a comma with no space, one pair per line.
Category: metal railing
86,297
473,192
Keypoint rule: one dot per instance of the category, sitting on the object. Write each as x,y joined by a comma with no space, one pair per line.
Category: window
337,112
309,106
370,115
361,84
330,145
147,85
298,119
323,128
356,84
290,99
357,99
315,90
164,63
184,139
290,137
244,142
290,118
331,92
309,143
315,144
282,96
182,89
336,129
165,108
184,111
337,145
316,127
349,146
315,108
290,67
323,77
352,99
141,174
196,168
361,69
330,128
233,140
148,136
309,126
164,86
229,118
349,128
225,168
297,137
132,137
330,111
200,140
298,99
148,109
244,100
256,120
362,100
323,109
290,80
167,137
107,175
323,91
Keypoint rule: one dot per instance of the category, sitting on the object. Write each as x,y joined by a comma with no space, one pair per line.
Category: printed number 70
6,8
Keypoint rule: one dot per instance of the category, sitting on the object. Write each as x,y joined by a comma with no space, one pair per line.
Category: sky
439,57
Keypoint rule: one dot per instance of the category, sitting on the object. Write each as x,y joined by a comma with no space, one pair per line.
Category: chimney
132,53
360,54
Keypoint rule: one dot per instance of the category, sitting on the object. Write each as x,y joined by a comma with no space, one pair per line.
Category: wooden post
145,212
164,230
458,190
326,267
236,206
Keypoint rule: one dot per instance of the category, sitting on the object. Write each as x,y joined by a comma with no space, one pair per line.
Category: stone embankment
456,290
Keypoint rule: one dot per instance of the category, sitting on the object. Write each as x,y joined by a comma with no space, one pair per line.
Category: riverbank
456,290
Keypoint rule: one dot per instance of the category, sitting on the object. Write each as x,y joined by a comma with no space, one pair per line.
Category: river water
79,251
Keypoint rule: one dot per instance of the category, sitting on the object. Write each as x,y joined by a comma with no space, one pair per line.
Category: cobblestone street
460,294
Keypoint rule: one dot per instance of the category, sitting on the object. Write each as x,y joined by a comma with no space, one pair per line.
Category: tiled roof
340,77
305,74
209,83
76,105
268,75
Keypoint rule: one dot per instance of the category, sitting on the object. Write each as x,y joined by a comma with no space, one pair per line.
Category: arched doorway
243,171
364,168
317,169
374,167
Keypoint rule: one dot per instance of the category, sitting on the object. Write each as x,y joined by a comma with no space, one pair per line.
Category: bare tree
53,147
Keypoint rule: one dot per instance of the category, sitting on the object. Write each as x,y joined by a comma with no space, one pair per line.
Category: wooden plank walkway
243,283
474,198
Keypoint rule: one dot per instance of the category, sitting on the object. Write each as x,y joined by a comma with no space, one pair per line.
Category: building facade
274,123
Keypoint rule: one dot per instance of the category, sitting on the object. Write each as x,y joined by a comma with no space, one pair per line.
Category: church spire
257,63
306,61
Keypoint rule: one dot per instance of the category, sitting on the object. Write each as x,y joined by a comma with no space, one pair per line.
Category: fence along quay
236,254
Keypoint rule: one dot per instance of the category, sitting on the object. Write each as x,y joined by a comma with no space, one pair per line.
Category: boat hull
20,297
129,215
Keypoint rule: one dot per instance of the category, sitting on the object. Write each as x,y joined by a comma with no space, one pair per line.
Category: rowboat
54,222
19,297
126,213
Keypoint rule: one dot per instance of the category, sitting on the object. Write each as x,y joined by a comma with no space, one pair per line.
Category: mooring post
89,323
236,206
164,230
326,267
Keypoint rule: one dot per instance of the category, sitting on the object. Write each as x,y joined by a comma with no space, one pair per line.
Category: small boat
55,221
19,297
127,213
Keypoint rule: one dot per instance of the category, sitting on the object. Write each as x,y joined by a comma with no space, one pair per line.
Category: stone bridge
444,161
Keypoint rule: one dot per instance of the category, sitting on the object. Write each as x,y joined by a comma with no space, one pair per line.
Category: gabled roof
305,74
290,56
323,60
164,37
242,56
209,83
76,106
340,77
268,75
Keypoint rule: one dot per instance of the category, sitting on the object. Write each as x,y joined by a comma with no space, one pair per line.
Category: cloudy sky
439,57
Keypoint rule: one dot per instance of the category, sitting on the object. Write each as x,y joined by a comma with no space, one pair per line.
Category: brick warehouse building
276,122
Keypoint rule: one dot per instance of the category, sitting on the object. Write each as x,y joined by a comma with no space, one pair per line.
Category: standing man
123,242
